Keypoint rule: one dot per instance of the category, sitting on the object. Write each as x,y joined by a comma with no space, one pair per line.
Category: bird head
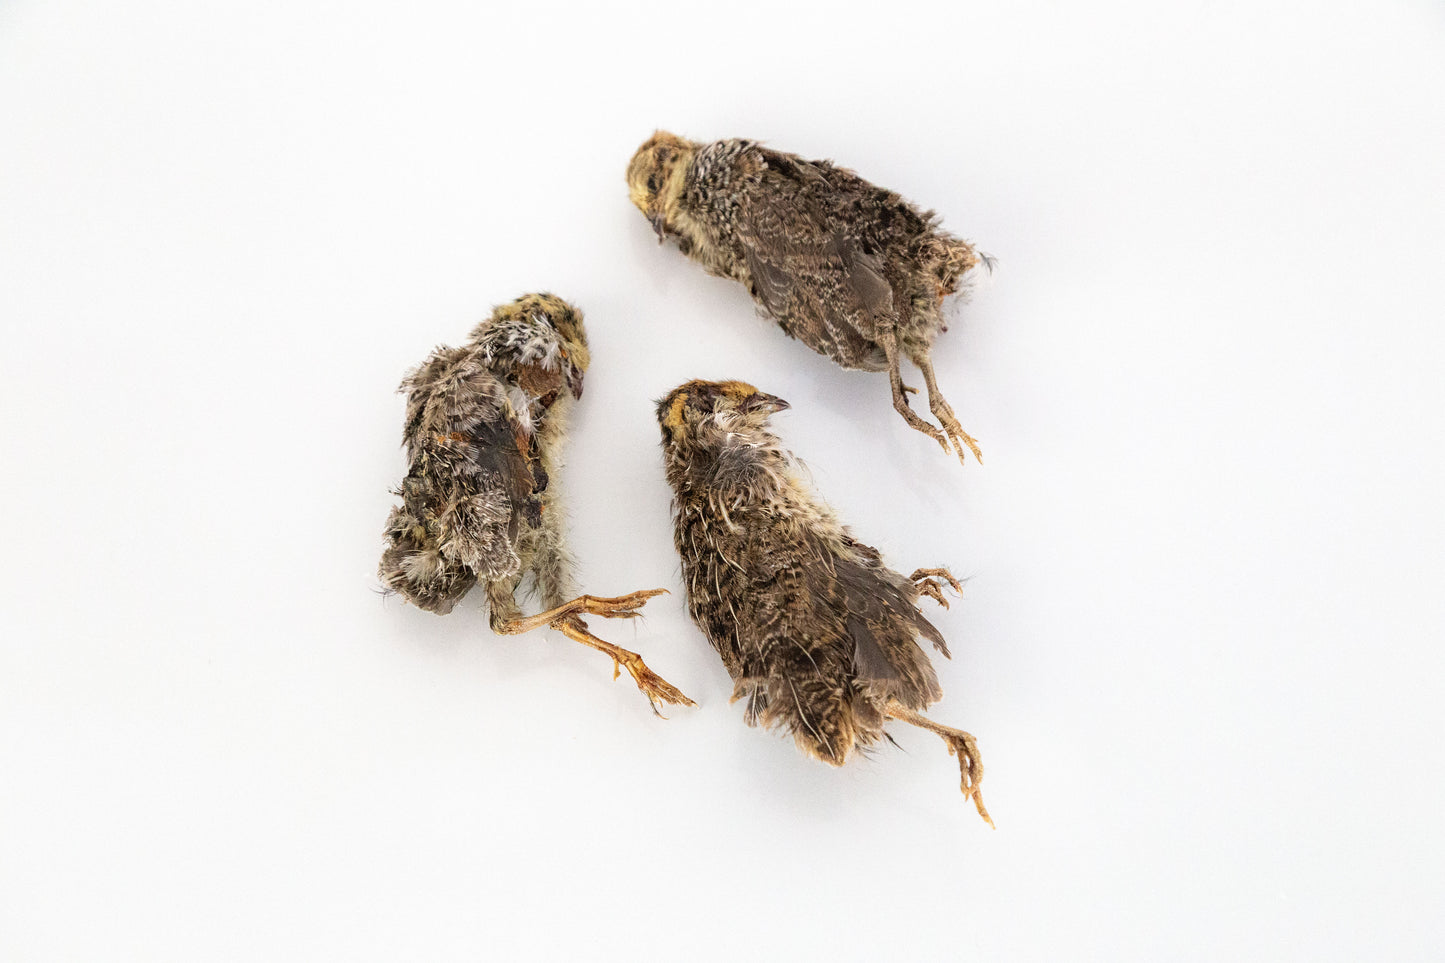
655,176
701,414
537,329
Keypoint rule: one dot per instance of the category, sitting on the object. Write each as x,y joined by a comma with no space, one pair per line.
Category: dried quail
485,427
819,635
852,270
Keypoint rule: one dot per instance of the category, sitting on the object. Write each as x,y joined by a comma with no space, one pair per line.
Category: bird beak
659,224
766,403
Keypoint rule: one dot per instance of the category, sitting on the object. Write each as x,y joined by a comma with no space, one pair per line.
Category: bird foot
944,413
653,686
888,340
915,421
621,607
970,770
960,438
931,582
649,683
960,744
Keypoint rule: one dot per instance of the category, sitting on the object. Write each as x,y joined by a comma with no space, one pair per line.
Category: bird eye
652,184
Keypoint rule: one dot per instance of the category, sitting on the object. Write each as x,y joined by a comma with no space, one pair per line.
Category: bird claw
930,589
970,770
653,686
960,438
953,430
916,422
567,614
621,607
928,583
960,744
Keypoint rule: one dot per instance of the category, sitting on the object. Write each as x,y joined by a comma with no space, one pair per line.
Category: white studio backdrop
1200,643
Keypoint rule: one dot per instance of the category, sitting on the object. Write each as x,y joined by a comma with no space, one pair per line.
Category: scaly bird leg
929,584
654,686
945,416
960,744
622,607
565,619
889,343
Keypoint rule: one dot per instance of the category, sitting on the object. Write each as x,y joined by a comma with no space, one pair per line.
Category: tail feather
414,565
953,258
819,713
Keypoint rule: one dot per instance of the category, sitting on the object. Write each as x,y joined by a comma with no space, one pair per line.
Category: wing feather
833,637
822,286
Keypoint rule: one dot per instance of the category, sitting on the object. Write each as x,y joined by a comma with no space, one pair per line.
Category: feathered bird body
484,434
820,637
849,268
485,429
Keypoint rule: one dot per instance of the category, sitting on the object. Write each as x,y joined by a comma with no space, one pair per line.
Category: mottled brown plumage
818,634
852,270
485,428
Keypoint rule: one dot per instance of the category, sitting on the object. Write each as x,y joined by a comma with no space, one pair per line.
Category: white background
1201,640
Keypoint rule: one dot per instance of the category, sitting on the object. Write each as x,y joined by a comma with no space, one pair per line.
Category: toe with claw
653,686
970,769
931,581
960,744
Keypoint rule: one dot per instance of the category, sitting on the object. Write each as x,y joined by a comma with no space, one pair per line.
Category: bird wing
472,482
716,584
884,623
796,643
823,285
832,640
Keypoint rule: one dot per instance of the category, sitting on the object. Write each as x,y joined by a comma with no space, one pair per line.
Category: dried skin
852,270
820,637
485,429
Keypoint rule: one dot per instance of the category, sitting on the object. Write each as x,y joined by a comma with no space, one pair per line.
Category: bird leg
889,342
929,584
945,416
622,607
565,619
652,685
960,744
